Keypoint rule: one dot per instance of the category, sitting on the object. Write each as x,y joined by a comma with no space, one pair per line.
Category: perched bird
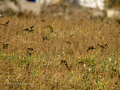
51,28
1,14
29,30
6,24
5,46
103,46
45,38
90,48
43,20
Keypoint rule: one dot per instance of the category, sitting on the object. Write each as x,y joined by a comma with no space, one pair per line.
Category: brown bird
6,24
90,48
103,46
43,20
68,42
5,46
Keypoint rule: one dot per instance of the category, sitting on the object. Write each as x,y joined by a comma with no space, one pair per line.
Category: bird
32,27
45,38
29,30
1,14
116,82
51,28
29,48
5,46
63,61
6,24
68,42
90,48
103,46
42,20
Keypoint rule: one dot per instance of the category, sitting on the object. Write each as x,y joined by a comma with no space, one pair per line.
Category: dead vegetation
61,60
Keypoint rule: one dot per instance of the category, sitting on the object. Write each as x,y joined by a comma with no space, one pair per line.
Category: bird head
99,44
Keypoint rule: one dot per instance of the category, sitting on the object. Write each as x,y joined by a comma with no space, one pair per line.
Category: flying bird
31,27
5,46
6,24
51,28
29,48
29,30
103,46
1,14
63,61
90,48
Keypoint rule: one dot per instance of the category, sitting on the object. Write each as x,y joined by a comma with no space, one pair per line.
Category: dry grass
43,71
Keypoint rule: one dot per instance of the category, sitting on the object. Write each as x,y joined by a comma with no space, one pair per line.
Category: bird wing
31,27
88,49
7,22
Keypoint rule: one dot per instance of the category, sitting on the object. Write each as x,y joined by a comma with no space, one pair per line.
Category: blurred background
69,8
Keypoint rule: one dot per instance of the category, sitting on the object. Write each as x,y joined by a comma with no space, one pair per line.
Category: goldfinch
29,30
103,46
90,48
5,46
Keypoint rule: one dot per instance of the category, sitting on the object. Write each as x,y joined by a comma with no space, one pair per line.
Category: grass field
61,60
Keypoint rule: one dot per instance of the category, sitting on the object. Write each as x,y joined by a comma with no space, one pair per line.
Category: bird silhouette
1,14
90,48
6,24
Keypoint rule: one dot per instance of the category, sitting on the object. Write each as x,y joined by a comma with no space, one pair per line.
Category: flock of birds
30,29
